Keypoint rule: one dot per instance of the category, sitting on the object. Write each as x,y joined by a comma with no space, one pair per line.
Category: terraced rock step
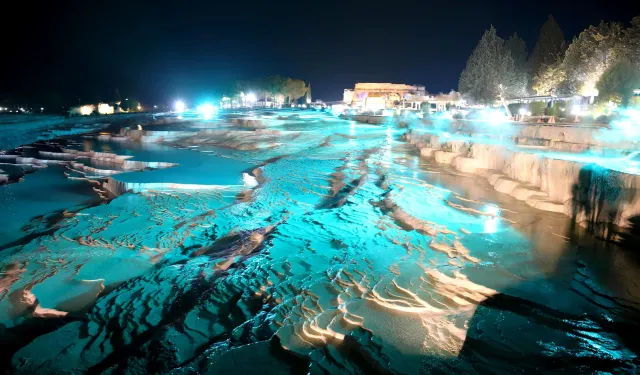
573,184
313,245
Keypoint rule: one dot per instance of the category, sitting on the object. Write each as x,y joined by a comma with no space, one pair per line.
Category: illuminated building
105,109
83,110
378,96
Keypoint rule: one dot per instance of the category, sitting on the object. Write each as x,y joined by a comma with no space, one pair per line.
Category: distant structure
376,96
442,102
577,103
101,108
379,96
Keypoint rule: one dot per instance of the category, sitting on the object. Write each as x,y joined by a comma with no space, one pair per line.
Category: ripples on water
352,255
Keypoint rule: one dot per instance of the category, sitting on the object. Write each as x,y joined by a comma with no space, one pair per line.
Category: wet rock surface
321,246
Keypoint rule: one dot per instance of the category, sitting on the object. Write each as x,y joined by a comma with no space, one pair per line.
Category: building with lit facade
377,96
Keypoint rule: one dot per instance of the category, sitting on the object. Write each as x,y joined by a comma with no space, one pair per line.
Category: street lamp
251,98
179,106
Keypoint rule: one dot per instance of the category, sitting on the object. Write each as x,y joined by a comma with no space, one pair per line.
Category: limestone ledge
592,195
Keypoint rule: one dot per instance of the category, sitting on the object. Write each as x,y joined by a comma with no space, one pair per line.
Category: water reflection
348,248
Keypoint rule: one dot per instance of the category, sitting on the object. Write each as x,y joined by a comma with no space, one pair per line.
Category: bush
515,108
537,108
558,110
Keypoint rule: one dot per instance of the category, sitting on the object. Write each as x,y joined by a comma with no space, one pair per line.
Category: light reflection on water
359,232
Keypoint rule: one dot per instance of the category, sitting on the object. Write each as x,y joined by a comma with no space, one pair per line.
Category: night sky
161,50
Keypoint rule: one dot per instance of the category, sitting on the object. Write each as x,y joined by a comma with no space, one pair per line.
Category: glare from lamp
207,110
251,98
179,106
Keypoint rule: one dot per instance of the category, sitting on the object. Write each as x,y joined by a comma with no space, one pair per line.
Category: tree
518,50
308,93
294,89
491,71
631,40
618,82
549,79
548,48
589,55
130,104
274,85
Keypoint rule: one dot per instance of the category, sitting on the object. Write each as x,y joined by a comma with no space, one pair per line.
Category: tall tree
590,55
549,79
294,89
549,47
618,82
631,40
518,50
490,72
308,93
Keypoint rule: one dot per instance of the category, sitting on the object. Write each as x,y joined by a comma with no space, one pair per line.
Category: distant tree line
602,60
278,88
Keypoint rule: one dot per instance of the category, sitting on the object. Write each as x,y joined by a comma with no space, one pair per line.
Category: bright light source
387,112
337,109
86,110
155,106
493,116
139,107
41,109
179,106
251,98
207,110
491,210
105,109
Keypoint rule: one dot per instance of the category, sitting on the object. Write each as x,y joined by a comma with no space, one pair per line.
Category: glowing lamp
207,110
105,109
179,106
86,110
251,98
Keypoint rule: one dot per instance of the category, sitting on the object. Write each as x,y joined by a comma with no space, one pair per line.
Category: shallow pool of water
352,255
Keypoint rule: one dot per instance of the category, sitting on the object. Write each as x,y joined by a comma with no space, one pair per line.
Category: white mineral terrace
298,242
590,174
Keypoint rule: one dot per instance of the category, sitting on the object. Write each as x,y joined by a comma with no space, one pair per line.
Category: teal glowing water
350,241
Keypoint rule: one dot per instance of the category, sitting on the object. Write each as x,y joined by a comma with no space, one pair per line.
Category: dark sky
161,50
